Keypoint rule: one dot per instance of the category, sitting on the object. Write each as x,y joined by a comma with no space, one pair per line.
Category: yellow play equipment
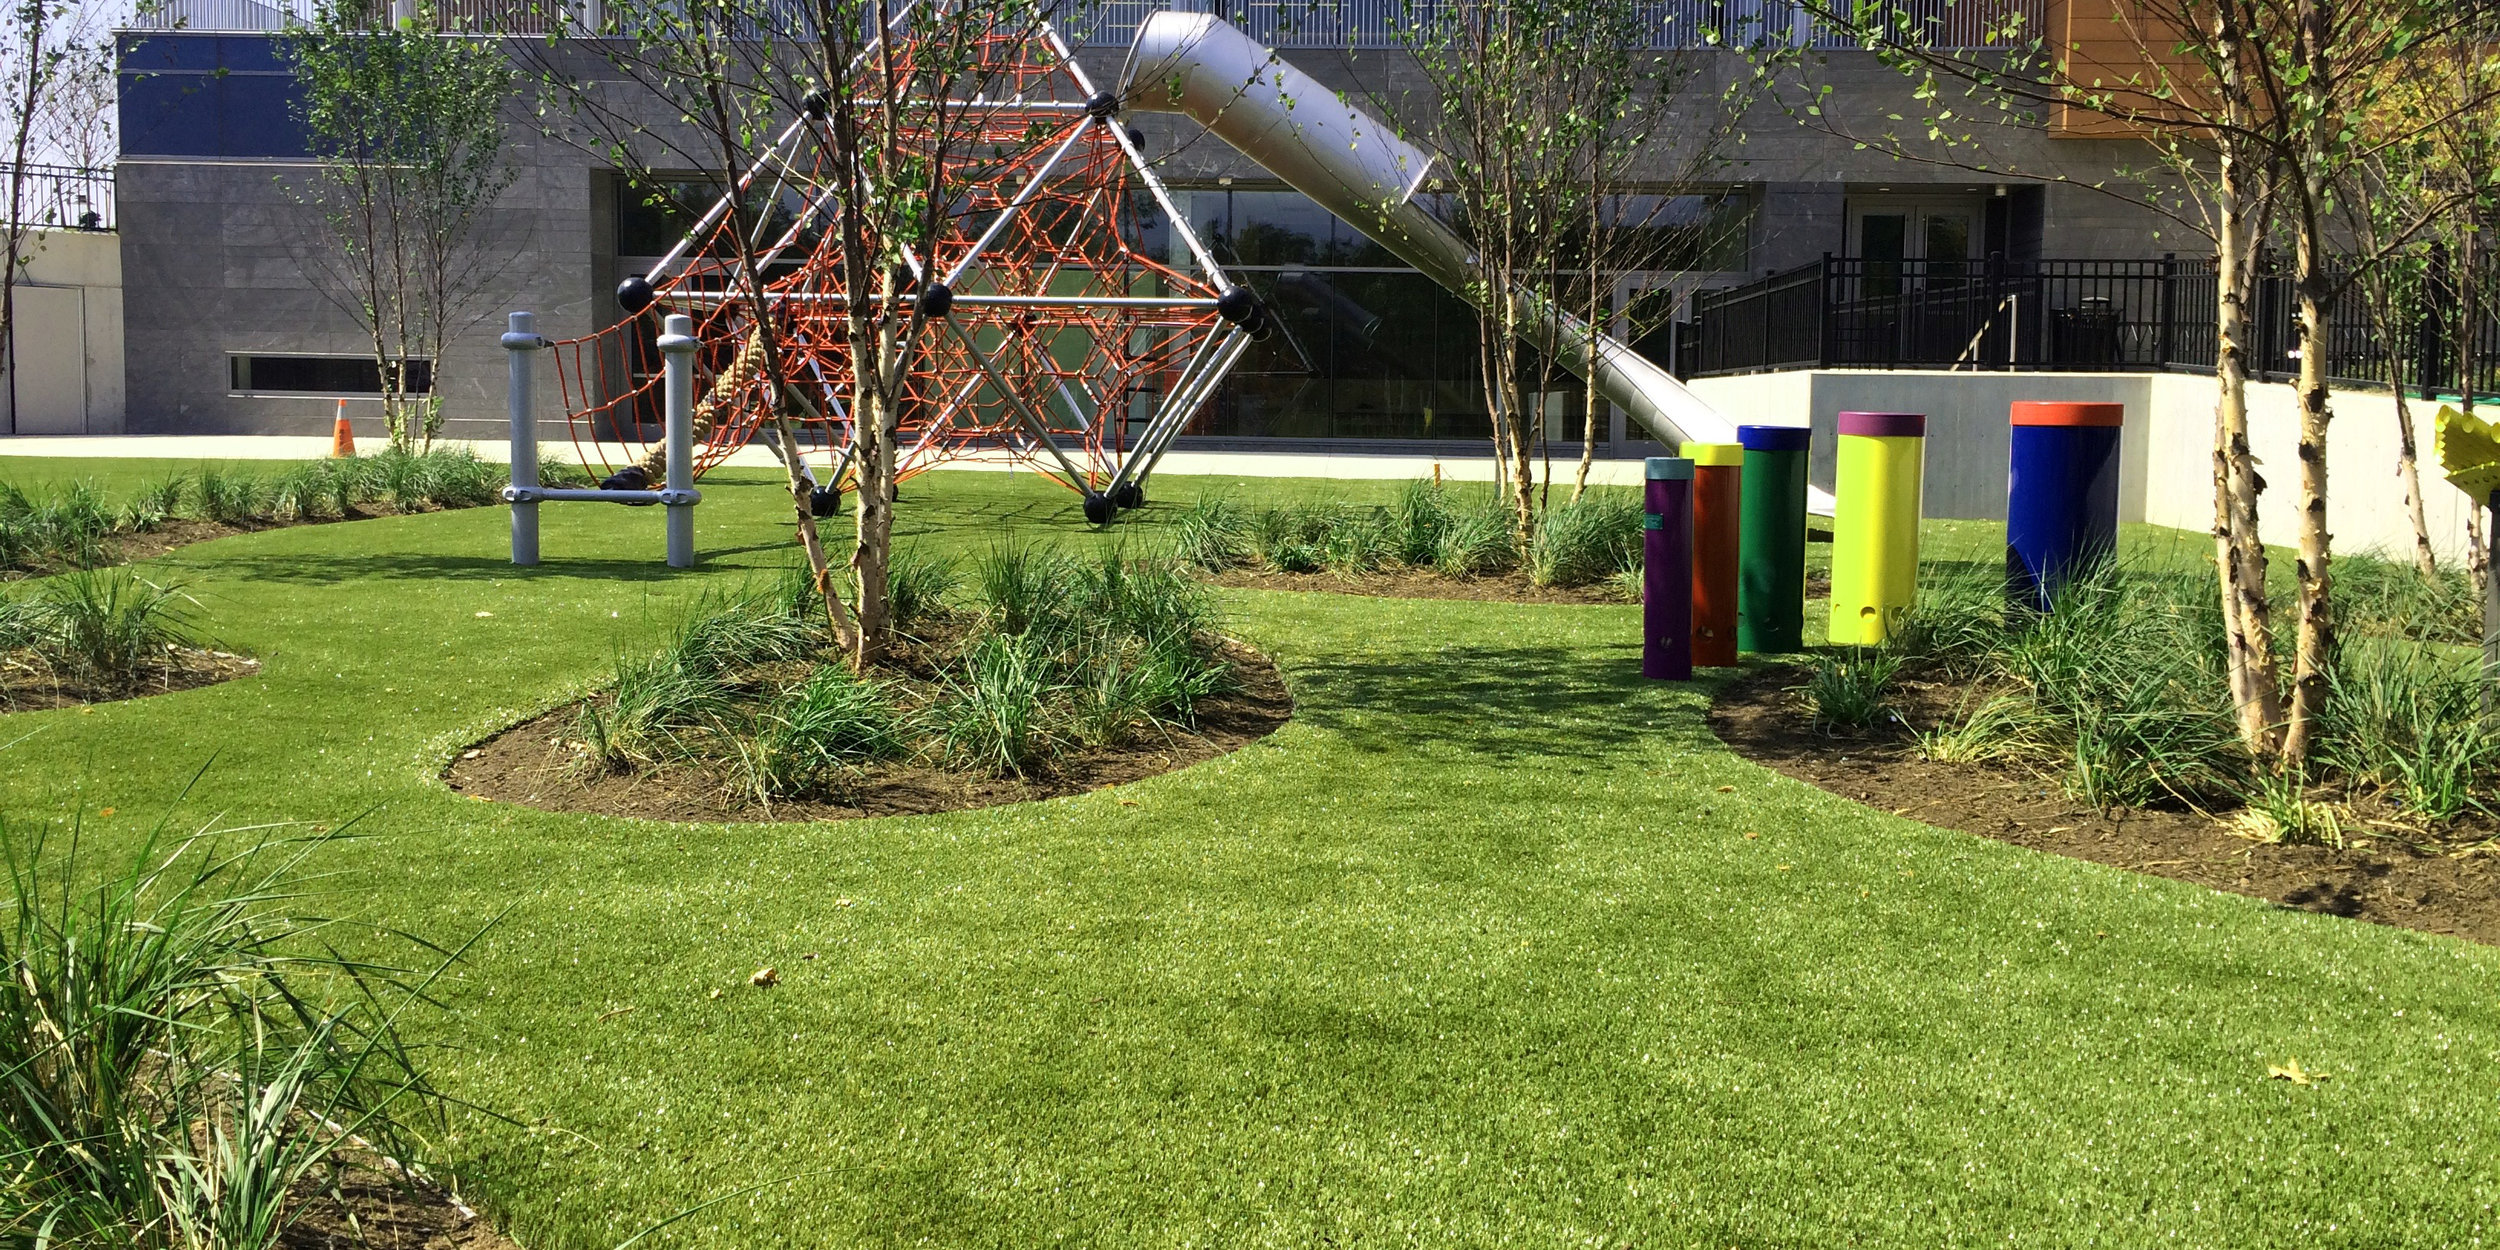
1877,484
2469,453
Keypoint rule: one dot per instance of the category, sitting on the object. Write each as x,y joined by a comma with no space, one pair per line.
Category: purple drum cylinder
1667,569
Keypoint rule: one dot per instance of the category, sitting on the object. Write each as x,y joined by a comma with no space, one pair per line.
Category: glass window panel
1948,246
1358,355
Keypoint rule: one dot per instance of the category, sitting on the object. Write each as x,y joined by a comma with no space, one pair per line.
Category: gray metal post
520,340
678,346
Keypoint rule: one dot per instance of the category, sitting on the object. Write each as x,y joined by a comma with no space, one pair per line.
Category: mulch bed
2388,873
183,668
542,763
383,1212
1417,584
184,531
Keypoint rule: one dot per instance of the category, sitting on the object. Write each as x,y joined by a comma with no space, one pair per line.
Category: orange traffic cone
342,437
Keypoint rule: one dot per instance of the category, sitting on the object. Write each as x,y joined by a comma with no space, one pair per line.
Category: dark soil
1417,584
27,689
183,531
540,763
2391,874
382,1212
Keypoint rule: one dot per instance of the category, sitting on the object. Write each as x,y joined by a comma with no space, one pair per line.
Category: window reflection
1367,348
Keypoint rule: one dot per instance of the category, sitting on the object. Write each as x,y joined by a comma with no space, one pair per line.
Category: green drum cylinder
1771,581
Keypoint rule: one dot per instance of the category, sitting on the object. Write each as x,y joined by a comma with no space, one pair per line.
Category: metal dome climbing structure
1055,335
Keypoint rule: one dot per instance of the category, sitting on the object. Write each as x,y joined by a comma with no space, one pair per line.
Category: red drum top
2041,412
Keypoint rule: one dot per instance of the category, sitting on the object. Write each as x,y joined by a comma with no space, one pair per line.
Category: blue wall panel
208,96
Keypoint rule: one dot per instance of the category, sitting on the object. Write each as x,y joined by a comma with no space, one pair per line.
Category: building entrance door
1909,244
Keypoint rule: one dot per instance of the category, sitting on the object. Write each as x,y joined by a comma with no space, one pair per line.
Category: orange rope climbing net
1053,337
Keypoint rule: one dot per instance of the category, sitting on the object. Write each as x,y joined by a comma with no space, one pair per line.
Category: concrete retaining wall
68,332
2167,465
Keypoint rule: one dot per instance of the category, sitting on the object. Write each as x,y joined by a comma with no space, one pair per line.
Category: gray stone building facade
234,323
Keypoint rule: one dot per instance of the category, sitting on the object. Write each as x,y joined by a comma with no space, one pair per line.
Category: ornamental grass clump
1211,535
816,732
1586,541
995,716
667,707
1032,655
307,490
1480,540
105,629
1417,520
64,528
73,526
1291,540
189,1060
919,589
156,503
2408,721
1852,689
230,495
2119,691
2127,664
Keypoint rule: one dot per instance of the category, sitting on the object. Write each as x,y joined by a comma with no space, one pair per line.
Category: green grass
1475,950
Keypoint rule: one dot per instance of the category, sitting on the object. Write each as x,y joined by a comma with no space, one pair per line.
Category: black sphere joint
817,104
1103,105
1137,139
1099,509
635,294
1129,495
937,301
824,501
1237,305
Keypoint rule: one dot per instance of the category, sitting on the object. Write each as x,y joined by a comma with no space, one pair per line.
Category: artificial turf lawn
1476,950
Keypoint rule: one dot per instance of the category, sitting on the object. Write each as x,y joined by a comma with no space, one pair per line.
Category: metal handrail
2072,315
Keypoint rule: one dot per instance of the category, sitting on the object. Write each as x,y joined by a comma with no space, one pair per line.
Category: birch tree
710,88
1540,109
407,128
2262,110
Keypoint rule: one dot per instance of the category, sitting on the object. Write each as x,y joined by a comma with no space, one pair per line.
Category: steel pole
520,339
677,346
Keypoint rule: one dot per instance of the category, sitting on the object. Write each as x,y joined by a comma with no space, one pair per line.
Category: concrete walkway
1177,464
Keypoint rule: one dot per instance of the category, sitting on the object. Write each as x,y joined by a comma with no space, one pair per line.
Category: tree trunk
2256,692
2482,529
2314,651
2409,473
1588,443
811,542
872,438
31,20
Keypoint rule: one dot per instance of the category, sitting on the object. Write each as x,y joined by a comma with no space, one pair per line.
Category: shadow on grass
1503,704
310,568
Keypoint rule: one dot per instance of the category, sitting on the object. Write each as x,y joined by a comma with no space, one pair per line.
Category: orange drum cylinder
1718,508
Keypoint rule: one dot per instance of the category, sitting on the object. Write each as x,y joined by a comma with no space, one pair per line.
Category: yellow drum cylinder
1882,463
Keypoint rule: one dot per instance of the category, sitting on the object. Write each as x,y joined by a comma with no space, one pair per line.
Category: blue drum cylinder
2061,496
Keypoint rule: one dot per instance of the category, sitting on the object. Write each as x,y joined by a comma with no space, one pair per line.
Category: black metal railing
58,197
2053,315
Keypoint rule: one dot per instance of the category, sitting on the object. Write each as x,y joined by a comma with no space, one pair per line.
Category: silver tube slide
1203,67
